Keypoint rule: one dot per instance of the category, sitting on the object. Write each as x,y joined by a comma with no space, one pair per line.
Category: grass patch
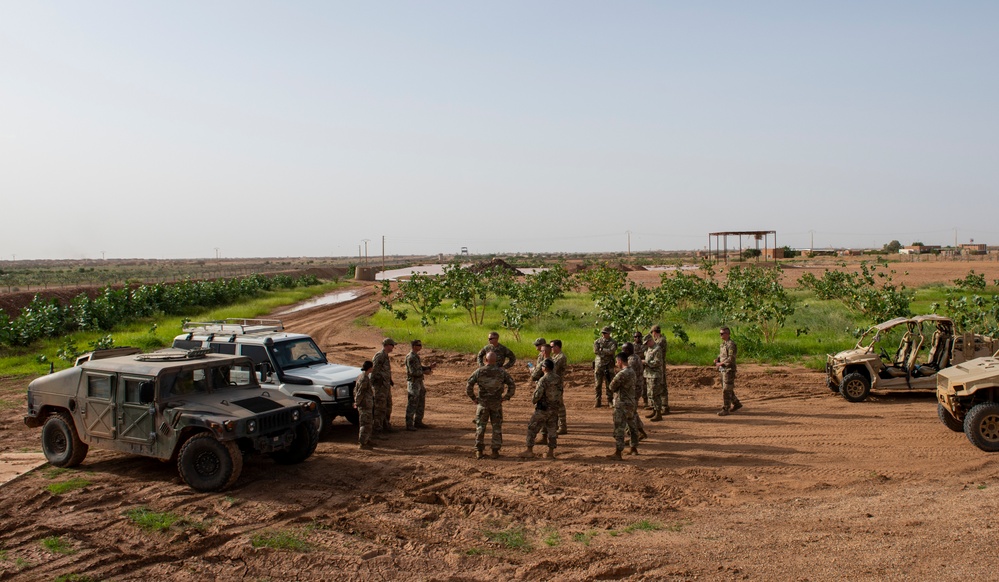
67,486
54,472
280,540
8,404
75,578
57,545
149,333
551,537
514,538
3,555
584,537
22,564
152,520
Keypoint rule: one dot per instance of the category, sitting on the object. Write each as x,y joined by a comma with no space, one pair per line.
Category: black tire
60,443
208,464
353,417
948,419
324,422
306,439
832,385
981,426
855,387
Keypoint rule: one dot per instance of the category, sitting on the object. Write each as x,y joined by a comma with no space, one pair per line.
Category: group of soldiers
637,371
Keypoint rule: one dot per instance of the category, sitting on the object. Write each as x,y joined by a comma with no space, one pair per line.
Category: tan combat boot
550,455
633,451
616,456
479,454
657,417
495,454
527,454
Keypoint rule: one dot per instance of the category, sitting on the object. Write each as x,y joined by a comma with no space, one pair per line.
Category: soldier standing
547,394
635,363
641,391
504,356
622,389
544,353
416,392
726,365
655,374
364,402
490,379
561,367
381,380
603,362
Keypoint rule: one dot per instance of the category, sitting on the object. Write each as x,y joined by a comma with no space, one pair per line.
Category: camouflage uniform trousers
366,421
546,420
602,376
416,401
624,420
658,394
382,407
491,412
728,390
559,425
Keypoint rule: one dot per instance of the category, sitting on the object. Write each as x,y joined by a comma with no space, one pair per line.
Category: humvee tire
981,426
60,443
306,440
855,387
948,419
208,464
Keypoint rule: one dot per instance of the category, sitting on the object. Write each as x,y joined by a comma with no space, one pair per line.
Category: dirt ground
798,485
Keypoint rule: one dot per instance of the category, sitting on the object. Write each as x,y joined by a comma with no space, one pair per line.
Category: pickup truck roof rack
234,326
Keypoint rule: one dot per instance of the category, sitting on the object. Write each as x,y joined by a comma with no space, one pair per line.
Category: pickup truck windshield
298,354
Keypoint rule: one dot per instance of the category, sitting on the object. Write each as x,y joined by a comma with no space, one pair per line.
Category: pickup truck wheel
208,464
948,419
981,426
855,387
353,417
60,443
325,422
306,440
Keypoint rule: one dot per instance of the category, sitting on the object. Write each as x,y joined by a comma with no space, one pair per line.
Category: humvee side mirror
265,370
147,392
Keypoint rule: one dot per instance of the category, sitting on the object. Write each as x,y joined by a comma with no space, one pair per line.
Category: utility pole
365,241
629,242
102,255
383,253
811,245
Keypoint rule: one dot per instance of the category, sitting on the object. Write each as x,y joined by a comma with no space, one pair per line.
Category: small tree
893,247
756,297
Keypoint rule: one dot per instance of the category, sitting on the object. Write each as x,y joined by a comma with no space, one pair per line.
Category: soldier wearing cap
547,394
726,366
364,402
639,349
655,373
622,390
490,379
603,363
416,392
544,352
381,381
504,356
561,367
635,363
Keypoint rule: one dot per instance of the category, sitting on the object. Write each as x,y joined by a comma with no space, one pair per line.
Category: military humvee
926,345
968,401
203,410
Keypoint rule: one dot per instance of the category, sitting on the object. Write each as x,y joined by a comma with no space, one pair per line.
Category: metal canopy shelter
758,235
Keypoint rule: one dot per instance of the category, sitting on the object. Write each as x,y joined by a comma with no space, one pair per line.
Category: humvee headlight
295,415
309,405
251,426
229,425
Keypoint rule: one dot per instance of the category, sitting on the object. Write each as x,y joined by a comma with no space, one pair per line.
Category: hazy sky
170,129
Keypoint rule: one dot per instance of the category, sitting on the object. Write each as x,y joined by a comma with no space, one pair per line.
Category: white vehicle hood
327,374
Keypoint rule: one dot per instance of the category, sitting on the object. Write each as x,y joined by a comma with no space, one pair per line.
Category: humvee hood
971,371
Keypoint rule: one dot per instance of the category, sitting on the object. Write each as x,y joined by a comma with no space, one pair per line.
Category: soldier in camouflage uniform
547,395
364,402
415,391
537,371
603,362
622,388
504,356
635,363
655,373
641,391
561,368
491,379
726,365
381,381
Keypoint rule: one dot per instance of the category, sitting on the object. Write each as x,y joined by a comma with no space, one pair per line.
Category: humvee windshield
207,380
298,353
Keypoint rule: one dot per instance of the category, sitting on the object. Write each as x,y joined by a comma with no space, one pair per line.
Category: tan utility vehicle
205,411
968,401
925,344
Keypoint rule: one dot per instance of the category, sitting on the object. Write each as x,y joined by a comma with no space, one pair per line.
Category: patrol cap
606,329
540,341
415,343
388,342
656,328
648,338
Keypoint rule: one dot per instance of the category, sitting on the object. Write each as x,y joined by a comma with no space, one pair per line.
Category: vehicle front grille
276,421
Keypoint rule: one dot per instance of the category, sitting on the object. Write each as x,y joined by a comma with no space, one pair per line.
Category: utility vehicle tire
60,443
855,387
208,464
306,439
324,423
832,385
353,417
948,419
981,426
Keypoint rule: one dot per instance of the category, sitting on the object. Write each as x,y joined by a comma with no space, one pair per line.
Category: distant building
919,249
773,254
973,249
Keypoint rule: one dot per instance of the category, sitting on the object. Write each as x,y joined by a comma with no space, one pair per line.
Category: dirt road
798,485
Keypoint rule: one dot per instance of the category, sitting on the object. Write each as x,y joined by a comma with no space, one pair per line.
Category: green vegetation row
115,307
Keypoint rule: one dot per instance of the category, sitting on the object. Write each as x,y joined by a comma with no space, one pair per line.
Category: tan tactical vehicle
925,344
206,411
968,401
